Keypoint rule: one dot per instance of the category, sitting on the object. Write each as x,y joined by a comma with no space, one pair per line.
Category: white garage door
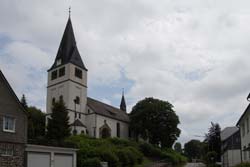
63,160
38,159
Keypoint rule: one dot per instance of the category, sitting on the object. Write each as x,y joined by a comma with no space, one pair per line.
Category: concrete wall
231,158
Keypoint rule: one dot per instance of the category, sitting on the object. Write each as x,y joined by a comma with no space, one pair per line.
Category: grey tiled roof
68,52
227,132
103,109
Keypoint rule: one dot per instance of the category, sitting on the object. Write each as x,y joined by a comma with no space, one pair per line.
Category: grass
146,162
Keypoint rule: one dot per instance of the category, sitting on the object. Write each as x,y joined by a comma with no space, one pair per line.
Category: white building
67,80
230,146
243,123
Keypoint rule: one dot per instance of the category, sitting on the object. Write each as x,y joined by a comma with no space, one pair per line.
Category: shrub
243,164
123,157
92,162
110,157
131,157
137,154
149,150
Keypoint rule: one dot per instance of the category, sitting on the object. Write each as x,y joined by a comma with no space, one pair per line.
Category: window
80,115
54,75
58,62
9,124
88,111
61,98
75,114
118,129
247,125
78,73
62,71
77,100
243,129
53,100
7,150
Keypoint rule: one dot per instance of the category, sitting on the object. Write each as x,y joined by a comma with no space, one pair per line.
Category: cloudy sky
194,54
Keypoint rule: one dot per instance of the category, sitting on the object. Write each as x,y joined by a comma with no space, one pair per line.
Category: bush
244,164
149,150
92,162
131,157
123,157
110,157
138,155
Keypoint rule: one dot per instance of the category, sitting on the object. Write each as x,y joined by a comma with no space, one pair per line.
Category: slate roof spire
123,102
68,51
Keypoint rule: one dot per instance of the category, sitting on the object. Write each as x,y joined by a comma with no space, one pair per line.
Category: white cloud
193,53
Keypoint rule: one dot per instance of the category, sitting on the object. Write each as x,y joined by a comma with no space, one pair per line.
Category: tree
193,149
24,102
36,120
213,139
156,121
177,147
36,123
58,126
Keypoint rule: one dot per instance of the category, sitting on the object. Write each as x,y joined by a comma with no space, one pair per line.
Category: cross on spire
69,11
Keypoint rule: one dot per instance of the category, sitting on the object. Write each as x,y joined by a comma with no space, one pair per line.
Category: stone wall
17,160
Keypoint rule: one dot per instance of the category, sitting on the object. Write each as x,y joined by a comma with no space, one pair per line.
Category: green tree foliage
193,149
213,139
156,121
177,147
24,102
36,123
58,126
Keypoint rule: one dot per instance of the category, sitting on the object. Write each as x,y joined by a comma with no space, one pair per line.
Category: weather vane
69,10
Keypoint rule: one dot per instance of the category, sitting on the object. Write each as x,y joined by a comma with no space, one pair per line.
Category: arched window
118,129
77,100
53,100
61,98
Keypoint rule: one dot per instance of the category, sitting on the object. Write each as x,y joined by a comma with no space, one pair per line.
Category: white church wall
90,122
112,123
72,76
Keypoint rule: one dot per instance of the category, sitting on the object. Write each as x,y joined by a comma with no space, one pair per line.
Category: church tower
67,78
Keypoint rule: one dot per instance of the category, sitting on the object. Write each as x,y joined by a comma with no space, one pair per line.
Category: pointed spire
123,102
68,52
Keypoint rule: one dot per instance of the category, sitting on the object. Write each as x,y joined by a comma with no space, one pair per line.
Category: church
67,81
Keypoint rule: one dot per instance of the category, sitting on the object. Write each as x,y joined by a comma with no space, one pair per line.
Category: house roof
227,132
68,52
11,91
106,110
245,112
78,123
